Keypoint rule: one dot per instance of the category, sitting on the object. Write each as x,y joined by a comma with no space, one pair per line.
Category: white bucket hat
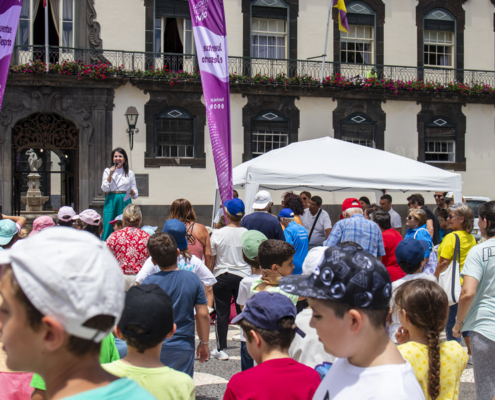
70,275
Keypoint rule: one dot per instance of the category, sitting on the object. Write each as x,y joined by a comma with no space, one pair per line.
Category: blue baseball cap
235,207
286,213
265,309
178,230
411,250
8,229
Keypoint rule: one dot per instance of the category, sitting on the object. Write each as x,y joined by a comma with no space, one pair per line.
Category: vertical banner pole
210,35
326,41
10,10
47,58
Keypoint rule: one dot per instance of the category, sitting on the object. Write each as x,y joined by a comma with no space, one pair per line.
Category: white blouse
119,182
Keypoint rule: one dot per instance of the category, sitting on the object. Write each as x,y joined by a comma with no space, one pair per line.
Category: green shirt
108,354
480,264
164,383
272,289
121,389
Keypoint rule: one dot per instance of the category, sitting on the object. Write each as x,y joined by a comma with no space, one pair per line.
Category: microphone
115,164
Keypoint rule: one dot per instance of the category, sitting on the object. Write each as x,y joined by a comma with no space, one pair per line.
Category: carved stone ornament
45,130
33,160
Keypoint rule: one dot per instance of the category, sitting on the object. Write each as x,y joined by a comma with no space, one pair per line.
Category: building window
268,38
440,140
68,23
174,135
357,46
24,30
359,129
173,35
439,39
270,131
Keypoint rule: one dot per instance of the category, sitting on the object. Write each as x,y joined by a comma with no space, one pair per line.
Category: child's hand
456,331
271,278
402,335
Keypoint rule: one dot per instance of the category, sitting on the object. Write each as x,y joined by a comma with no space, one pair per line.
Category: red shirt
391,239
128,245
283,378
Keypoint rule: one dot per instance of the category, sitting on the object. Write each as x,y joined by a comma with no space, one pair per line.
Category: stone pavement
211,378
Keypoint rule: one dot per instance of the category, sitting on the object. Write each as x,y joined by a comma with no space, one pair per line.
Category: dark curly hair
295,204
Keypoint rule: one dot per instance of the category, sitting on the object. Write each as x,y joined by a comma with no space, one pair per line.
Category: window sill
174,162
457,166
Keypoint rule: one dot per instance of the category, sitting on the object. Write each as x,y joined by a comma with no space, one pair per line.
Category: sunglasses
438,196
410,218
304,198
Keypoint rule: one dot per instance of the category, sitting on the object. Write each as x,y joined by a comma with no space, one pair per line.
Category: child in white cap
62,293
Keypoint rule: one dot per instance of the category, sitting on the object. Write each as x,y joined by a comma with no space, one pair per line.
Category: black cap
150,308
346,274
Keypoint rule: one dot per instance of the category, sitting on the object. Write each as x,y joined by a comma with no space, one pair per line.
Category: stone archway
55,140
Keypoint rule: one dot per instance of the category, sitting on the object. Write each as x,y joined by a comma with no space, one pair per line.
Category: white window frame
257,135
347,38
30,24
362,142
436,42
267,33
62,21
173,113
450,152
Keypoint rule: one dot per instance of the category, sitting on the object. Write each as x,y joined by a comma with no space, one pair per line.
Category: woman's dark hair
295,204
382,218
365,200
487,211
68,223
126,160
427,307
287,196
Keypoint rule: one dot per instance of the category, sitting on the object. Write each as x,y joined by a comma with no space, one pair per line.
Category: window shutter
269,12
172,9
361,19
439,25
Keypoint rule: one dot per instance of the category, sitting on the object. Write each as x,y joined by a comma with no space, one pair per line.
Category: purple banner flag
210,35
9,19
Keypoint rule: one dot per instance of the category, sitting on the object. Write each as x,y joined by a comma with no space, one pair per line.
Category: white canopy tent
329,164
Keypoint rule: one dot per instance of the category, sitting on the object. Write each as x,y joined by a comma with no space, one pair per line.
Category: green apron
114,206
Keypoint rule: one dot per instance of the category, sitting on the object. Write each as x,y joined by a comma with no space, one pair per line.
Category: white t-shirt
395,325
226,244
385,382
308,350
324,222
194,265
395,219
245,293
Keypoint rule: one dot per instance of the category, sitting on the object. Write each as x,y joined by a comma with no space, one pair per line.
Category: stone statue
33,160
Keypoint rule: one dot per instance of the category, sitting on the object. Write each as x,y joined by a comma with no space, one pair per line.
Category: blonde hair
419,215
132,215
463,210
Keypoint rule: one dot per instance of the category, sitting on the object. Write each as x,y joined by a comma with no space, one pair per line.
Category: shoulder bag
314,224
450,279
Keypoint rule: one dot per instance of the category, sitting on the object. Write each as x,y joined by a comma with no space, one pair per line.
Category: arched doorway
55,140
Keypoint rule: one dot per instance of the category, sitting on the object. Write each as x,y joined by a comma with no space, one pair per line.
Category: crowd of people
343,311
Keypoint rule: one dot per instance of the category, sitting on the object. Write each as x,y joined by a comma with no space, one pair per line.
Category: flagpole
47,59
326,41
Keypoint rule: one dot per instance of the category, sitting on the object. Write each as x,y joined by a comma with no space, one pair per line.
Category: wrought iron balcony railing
134,63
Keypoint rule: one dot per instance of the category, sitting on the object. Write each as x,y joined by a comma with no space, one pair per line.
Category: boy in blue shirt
188,294
297,236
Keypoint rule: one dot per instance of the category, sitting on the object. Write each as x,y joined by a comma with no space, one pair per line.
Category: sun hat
73,277
411,250
90,217
345,274
8,229
119,218
177,230
65,213
150,308
286,213
235,207
150,230
265,309
262,199
41,223
251,241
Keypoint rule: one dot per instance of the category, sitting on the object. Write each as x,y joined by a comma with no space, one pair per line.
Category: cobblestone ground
211,378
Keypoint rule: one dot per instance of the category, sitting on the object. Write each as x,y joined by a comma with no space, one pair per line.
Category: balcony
142,65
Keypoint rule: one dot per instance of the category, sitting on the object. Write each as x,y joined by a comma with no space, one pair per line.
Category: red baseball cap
349,203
